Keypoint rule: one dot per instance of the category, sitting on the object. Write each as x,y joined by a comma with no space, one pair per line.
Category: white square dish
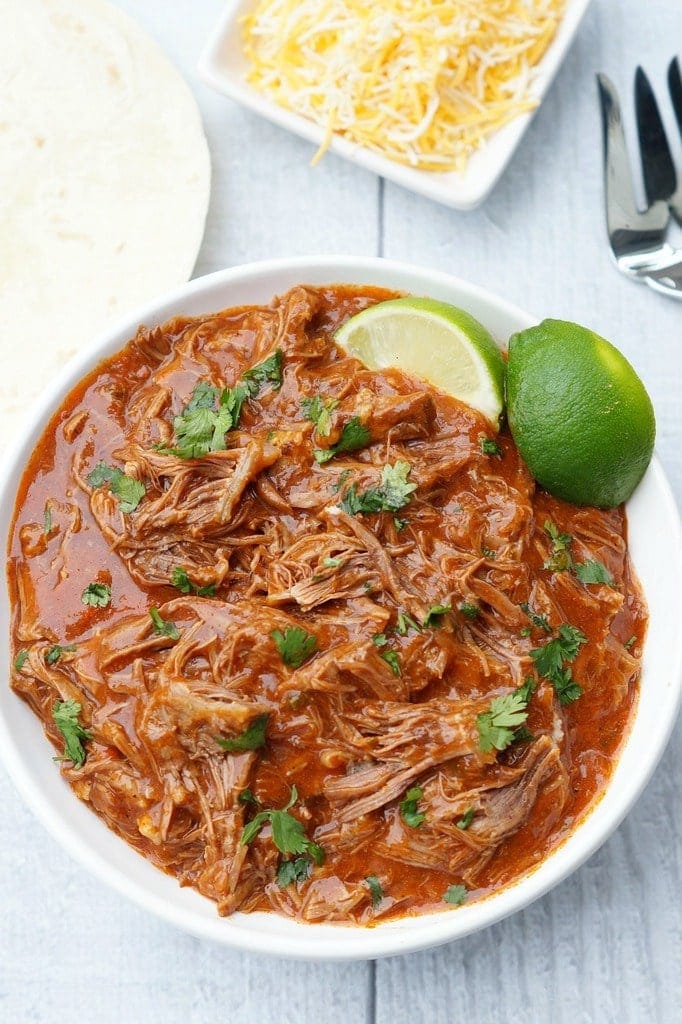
223,66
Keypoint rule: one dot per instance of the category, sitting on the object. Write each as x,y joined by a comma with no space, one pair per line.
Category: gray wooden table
607,944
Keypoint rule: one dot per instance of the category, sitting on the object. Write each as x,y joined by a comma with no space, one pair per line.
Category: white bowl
224,67
654,531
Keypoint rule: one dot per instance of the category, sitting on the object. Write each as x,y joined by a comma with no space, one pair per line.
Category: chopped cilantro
332,563
393,494
435,614
161,627
97,595
470,610
527,688
129,491
379,640
456,895
55,652
354,436
408,807
525,631
65,716
247,797
399,523
496,727
181,580
319,412
629,643
490,447
297,870
405,622
560,558
489,553
288,833
593,572
295,645
253,737
341,481
551,657
391,658
375,890
466,819
47,519
538,620
20,660
267,372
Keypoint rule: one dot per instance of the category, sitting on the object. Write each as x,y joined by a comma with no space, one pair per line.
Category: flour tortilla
104,183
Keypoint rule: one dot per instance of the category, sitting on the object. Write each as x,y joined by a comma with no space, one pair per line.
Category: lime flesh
435,341
579,414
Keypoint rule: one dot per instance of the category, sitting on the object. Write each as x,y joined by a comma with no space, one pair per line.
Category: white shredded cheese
423,82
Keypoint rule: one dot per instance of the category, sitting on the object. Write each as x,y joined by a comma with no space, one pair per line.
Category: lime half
440,343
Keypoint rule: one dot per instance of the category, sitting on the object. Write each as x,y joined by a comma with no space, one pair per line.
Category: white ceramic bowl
224,67
655,543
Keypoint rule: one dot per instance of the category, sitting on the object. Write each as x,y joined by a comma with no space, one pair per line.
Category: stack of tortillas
104,183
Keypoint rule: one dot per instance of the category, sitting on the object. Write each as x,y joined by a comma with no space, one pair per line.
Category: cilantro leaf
97,595
332,563
319,412
456,895
47,519
490,447
593,572
629,644
295,645
379,639
247,797
290,871
489,553
252,738
181,580
567,690
101,474
466,819
435,613
496,726
393,494
203,396
129,491
408,807
550,658
162,627
20,660
288,833
406,622
392,659
65,716
527,688
538,620
469,610
267,372
560,558
375,890
55,652
354,436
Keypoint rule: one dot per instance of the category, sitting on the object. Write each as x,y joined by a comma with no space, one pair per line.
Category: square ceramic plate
223,66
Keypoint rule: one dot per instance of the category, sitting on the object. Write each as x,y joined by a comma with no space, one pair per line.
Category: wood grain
605,946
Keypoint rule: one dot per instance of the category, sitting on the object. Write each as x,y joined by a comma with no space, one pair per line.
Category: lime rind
434,341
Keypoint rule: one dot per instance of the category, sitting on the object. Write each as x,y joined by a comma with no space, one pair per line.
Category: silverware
638,237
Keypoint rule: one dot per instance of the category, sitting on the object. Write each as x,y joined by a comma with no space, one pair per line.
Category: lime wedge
432,340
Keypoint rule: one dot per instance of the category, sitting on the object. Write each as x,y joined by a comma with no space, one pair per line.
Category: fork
638,237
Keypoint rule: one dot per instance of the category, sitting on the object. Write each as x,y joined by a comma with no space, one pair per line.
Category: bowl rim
294,939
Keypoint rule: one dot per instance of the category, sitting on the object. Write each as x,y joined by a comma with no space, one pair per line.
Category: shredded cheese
423,82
